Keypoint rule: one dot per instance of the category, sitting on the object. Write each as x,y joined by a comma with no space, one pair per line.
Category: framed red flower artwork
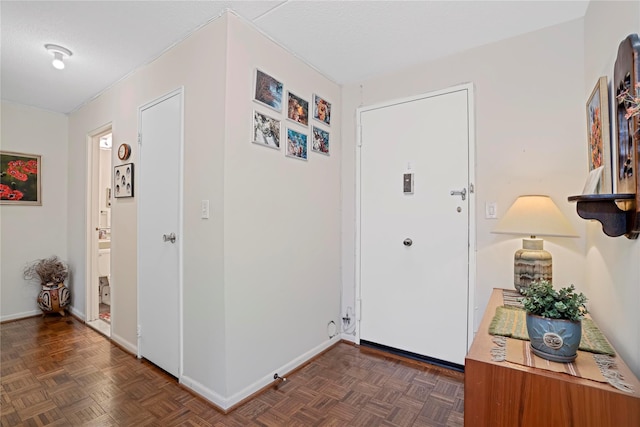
20,182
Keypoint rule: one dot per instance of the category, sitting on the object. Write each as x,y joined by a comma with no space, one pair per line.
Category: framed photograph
20,182
320,143
321,110
266,130
598,134
268,91
123,180
298,109
296,144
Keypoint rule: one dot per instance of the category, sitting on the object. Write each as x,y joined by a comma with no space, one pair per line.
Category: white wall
282,220
33,232
198,65
530,139
612,264
262,274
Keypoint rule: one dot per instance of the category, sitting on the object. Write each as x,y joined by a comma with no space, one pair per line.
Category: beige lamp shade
533,216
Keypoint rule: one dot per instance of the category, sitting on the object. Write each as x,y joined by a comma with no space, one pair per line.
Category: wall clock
124,151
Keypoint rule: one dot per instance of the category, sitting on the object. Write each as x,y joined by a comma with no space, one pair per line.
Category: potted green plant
554,320
51,273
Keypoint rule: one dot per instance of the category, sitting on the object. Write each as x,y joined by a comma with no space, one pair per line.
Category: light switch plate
204,209
491,210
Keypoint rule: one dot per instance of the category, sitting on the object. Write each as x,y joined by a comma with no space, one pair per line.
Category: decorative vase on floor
50,273
554,339
54,298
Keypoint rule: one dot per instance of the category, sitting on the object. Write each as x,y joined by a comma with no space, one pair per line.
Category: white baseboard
226,403
132,348
16,316
25,314
204,392
283,370
348,337
80,315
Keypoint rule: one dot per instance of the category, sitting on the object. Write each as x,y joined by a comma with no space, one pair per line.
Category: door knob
169,238
407,242
462,193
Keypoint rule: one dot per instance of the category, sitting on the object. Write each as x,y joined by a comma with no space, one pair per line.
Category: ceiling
347,41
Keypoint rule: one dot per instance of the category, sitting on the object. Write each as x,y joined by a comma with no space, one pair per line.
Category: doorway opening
99,232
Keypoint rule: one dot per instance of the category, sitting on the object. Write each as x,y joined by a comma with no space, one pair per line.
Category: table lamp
533,216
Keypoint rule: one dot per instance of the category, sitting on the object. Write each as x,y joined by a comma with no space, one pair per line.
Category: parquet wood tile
344,412
401,417
378,408
58,372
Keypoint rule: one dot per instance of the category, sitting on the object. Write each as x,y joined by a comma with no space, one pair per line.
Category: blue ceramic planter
554,339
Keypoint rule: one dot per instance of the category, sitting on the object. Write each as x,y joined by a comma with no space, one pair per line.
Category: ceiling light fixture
59,53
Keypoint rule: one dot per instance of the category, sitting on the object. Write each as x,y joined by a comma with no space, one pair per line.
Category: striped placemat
595,367
512,298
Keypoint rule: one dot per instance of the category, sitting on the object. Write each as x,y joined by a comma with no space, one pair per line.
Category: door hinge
359,136
139,138
139,331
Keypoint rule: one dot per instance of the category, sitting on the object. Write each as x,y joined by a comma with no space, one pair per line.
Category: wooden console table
504,394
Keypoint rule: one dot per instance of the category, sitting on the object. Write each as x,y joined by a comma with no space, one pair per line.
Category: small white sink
104,244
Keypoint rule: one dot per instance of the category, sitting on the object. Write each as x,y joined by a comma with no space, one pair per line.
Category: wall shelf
618,213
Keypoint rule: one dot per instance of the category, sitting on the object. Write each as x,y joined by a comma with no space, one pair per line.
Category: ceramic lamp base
531,263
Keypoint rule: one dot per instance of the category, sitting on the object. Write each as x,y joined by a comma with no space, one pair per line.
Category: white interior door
159,232
414,248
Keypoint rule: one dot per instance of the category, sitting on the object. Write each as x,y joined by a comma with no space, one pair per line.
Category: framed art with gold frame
598,134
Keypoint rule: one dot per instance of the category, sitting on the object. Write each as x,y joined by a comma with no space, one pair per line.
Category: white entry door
415,242
159,232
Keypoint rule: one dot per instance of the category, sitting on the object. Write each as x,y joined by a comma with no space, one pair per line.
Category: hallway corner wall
34,232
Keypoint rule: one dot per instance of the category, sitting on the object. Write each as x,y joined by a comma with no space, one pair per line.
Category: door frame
180,93
471,273
92,222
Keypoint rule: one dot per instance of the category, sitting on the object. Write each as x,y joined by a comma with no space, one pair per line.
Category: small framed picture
268,90
321,109
320,142
266,130
123,180
20,182
296,144
298,109
598,135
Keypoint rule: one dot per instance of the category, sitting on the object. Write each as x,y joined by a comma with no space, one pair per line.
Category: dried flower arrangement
631,101
50,270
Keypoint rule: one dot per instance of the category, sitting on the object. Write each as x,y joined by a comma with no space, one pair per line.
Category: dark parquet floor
58,372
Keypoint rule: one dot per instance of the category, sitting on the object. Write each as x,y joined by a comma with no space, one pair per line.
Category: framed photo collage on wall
301,134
